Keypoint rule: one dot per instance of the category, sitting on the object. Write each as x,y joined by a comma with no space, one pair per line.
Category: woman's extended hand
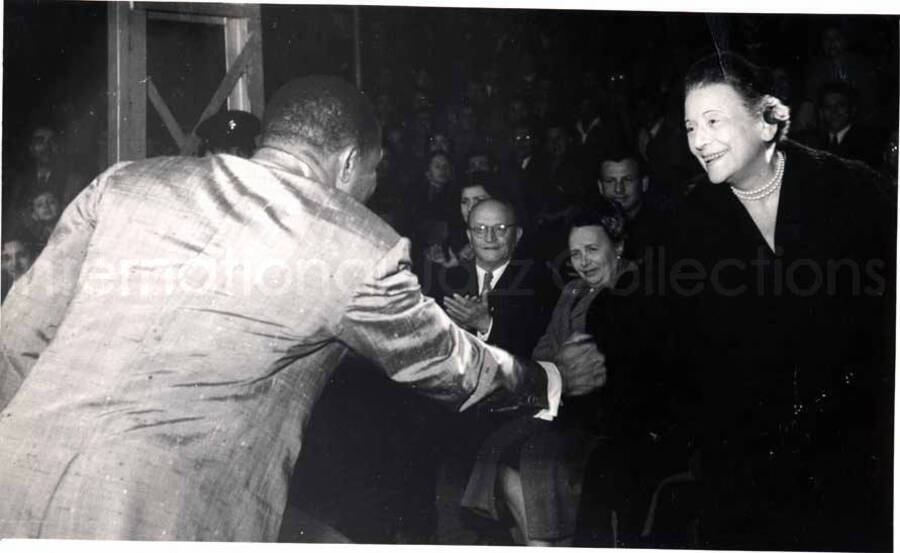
582,366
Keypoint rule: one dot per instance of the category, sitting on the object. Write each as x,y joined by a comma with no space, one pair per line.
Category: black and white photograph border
510,274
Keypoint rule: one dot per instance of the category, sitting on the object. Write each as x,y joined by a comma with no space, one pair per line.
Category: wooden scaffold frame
130,88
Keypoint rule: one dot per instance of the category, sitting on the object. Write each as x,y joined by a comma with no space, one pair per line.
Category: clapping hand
582,366
470,312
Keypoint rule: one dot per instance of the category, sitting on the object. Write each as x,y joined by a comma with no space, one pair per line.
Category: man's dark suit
860,143
521,301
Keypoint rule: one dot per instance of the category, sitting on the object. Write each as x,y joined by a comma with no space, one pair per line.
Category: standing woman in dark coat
786,283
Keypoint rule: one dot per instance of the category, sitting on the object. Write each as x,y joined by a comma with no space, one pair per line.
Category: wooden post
357,48
236,31
127,86
254,74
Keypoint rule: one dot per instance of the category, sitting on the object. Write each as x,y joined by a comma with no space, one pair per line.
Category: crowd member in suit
838,62
558,184
621,177
791,341
595,131
47,169
512,309
229,290
842,134
503,299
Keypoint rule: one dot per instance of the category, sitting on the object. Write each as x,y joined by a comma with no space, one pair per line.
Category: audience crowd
521,180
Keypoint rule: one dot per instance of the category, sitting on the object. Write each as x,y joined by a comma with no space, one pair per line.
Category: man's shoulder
325,212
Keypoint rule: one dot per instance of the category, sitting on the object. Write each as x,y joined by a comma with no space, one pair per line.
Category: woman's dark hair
599,211
751,81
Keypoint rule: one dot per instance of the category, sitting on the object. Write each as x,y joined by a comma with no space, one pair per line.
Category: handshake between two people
581,365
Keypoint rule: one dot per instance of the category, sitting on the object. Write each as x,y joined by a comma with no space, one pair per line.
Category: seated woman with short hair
533,468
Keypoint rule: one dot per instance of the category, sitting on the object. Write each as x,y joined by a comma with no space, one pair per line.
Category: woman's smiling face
725,137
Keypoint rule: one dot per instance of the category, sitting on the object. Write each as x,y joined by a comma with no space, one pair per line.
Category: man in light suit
161,358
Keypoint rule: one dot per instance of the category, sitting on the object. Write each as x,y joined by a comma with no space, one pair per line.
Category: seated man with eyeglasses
506,300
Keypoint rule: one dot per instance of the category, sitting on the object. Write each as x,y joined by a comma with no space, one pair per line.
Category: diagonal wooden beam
234,73
168,119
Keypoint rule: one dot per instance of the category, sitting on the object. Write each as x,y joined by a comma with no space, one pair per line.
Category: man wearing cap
229,132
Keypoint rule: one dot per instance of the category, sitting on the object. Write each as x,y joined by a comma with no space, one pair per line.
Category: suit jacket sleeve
409,336
37,302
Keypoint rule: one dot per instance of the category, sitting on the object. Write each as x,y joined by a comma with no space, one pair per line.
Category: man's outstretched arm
389,321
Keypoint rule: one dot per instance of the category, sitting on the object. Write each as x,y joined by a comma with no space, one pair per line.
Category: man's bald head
496,206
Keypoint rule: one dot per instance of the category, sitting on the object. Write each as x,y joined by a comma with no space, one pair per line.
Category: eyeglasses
481,231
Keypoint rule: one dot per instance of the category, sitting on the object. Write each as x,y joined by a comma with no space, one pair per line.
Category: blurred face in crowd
837,112
833,42
424,120
438,142
479,163
45,207
493,233
384,108
395,139
622,182
16,259
617,82
557,141
726,138
42,145
470,197
523,142
467,118
593,254
439,171
423,79
518,111
421,101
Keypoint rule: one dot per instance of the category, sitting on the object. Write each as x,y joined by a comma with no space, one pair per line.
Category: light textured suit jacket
161,358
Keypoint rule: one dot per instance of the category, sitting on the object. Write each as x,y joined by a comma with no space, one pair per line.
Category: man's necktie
486,285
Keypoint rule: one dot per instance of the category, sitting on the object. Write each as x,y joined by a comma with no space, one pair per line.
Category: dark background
55,67
55,53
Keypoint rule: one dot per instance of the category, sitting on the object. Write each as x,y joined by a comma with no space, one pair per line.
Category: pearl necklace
767,189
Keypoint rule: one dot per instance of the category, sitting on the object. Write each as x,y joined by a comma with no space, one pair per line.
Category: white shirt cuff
554,391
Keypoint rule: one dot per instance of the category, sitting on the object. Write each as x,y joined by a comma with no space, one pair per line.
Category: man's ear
519,233
348,165
645,183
